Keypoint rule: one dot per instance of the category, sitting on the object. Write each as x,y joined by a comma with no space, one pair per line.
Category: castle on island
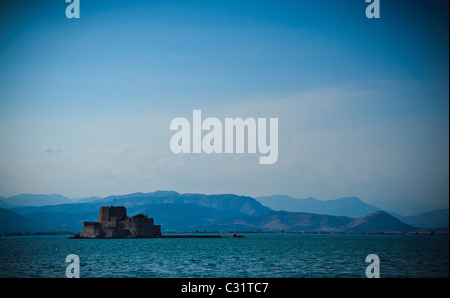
113,222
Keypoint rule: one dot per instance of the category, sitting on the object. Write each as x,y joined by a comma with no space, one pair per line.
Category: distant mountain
407,207
62,221
11,222
5,205
348,206
174,211
223,212
135,202
431,220
187,217
35,200
85,200
284,221
64,208
379,221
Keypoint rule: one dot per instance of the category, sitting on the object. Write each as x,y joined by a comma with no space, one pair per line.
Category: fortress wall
116,233
142,227
114,223
91,229
157,230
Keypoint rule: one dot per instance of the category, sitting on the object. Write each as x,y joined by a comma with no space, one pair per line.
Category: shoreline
218,234
76,236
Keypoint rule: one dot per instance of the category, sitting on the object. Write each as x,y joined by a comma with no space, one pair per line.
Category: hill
11,222
348,206
134,202
431,220
408,207
276,221
379,221
284,221
190,212
34,200
174,211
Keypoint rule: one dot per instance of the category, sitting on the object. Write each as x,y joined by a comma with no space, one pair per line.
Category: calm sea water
257,255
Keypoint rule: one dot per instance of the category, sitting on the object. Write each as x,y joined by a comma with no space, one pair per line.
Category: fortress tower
113,222
110,216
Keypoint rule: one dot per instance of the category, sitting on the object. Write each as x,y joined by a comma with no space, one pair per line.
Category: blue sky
85,104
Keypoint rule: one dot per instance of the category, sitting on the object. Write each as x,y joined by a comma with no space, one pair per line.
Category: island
113,222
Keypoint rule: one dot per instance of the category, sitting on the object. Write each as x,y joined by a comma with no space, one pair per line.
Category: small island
113,222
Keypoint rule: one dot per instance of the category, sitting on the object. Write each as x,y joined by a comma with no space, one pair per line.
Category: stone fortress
113,222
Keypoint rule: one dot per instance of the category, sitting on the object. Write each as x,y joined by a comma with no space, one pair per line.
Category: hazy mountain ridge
277,221
172,210
347,206
285,221
352,207
244,204
13,222
378,222
22,200
432,219
406,207
222,212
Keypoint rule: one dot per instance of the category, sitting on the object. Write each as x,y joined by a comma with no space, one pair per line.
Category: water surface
257,255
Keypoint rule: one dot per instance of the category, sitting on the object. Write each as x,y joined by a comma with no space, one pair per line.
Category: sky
362,104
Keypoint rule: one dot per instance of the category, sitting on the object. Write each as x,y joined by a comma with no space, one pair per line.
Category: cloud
53,151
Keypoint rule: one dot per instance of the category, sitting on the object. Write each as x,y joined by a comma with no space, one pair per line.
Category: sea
255,256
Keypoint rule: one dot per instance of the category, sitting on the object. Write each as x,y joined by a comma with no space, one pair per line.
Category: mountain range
223,212
378,221
352,207
33,200
348,206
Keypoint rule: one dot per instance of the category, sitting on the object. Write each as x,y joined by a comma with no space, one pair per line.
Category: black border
277,287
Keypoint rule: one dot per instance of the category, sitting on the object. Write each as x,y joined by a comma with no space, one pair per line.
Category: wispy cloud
53,151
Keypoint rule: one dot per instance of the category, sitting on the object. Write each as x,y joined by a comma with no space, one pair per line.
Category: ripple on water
258,255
